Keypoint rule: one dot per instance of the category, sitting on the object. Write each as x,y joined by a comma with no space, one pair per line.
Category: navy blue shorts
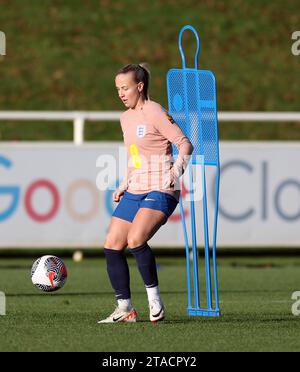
131,203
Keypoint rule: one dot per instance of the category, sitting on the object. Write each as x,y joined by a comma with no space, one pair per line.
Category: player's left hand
170,180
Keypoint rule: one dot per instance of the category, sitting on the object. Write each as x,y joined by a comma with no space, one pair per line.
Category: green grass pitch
255,295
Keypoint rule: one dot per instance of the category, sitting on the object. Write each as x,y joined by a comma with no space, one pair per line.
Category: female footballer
149,193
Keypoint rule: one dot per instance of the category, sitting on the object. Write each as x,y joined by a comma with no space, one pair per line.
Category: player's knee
135,240
114,242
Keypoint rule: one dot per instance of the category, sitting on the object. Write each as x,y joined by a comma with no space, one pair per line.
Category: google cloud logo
12,191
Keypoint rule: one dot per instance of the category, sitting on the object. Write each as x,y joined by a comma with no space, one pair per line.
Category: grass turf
255,294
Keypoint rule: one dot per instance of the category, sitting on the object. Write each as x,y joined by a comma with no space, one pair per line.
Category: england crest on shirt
141,131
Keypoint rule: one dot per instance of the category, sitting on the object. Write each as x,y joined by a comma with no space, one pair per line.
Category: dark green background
63,55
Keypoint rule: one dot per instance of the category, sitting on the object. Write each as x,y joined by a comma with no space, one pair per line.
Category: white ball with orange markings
49,273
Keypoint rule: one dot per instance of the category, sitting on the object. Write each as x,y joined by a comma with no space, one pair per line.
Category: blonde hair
141,73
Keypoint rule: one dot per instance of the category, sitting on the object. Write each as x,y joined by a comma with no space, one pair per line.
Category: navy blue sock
118,272
146,264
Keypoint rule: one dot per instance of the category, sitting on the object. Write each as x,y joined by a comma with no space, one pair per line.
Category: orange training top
149,133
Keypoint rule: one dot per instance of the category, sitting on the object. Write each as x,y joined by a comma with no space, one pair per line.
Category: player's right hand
117,195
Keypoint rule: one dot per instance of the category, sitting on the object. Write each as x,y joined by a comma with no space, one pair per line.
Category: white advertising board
49,197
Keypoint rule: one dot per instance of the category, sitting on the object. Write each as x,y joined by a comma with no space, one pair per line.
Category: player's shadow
57,294
164,322
63,294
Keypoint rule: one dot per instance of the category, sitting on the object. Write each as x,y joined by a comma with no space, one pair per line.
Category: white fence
80,117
